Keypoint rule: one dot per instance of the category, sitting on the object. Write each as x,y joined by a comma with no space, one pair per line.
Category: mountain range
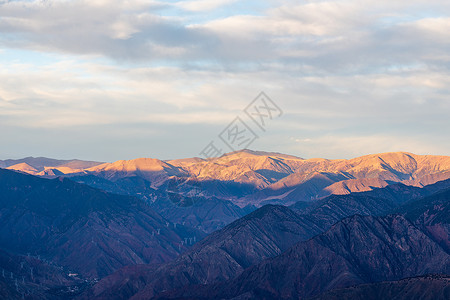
275,174
64,222
247,225
182,190
268,232
354,251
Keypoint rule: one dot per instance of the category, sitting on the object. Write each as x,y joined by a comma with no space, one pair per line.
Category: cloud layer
166,77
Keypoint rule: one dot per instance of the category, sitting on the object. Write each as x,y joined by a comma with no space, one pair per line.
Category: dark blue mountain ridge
85,229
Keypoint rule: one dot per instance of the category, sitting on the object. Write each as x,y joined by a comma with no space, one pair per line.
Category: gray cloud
340,36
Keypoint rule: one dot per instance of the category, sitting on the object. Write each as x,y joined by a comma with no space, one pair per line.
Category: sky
109,80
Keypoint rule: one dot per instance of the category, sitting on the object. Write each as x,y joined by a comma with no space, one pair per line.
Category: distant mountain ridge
242,179
350,222
266,171
43,166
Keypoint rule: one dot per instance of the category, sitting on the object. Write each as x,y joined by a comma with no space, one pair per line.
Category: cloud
321,36
351,77
121,30
203,5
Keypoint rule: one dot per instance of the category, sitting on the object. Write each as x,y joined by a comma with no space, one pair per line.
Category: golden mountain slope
23,167
275,174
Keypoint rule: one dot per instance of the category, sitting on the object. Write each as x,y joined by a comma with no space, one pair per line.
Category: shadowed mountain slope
28,277
431,213
85,229
222,255
354,251
264,233
433,287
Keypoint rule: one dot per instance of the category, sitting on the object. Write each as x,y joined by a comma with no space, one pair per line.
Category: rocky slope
258,177
222,255
377,202
354,251
432,214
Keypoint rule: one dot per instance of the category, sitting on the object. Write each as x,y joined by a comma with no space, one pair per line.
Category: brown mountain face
355,185
23,167
281,172
354,175
295,187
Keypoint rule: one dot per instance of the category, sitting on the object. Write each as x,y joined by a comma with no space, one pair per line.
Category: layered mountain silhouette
265,233
222,255
87,230
277,226
432,214
241,179
356,250
265,171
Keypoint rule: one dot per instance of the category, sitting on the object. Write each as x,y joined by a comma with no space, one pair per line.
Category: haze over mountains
139,227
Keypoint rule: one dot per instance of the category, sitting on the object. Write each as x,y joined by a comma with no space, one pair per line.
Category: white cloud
203,5
351,77
325,35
